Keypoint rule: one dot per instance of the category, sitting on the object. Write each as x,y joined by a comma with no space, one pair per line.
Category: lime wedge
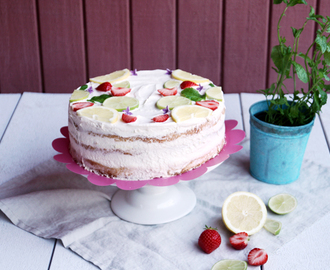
244,212
282,203
230,265
172,84
214,93
123,84
172,101
186,76
186,112
100,113
113,77
121,103
79,95
273,226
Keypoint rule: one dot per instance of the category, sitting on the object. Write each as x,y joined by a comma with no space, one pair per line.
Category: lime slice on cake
273,226
113,77
186,112
172,102
172,83
282,203
121,103
100,113
123,84
186,76
230,265
244,212
214,93
79,95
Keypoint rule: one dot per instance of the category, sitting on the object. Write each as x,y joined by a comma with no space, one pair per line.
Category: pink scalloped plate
233,137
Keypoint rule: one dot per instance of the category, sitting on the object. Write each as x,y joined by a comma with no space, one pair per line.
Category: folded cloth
82,218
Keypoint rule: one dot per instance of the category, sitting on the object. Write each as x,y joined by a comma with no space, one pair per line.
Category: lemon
273,226
100,113
186,76
230,265
116,76
123,84
186,112
172,102
244,212
78,95
121,103
282,203
214,93
171,84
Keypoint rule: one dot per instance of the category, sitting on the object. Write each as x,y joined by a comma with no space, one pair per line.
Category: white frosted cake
141,125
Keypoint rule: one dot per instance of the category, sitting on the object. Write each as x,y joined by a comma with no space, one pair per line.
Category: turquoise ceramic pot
276,152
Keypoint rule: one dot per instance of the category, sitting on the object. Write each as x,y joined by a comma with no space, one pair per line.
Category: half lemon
187,112
186,76
100,113
116,76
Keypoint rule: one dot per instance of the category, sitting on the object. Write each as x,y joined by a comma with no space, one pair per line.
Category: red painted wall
55,46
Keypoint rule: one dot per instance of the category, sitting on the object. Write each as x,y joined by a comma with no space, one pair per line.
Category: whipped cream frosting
145,149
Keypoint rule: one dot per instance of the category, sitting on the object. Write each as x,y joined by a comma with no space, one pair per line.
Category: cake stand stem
153,204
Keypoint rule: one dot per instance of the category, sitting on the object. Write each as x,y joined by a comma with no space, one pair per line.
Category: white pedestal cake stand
154,201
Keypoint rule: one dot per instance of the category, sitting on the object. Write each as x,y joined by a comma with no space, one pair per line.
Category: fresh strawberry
120,91
161,118
209,240
80,105
128,118
187,84
239,240
211,104
104,87
257,256
168,91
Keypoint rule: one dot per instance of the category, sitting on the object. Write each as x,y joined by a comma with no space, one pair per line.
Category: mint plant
302,105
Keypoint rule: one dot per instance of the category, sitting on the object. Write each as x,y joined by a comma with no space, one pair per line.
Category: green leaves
301,72
296,2
192,94
100,98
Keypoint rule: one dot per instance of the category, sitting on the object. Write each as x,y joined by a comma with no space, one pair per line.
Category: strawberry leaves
192,94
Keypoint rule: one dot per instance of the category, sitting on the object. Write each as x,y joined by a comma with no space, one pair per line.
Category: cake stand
158,200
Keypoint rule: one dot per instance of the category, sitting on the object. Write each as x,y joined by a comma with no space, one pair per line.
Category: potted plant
280,125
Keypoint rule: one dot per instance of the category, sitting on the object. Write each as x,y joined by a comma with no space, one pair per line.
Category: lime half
79,95
172,102
100,113
121,103
230,265
214,93
273,226
172,83
282,203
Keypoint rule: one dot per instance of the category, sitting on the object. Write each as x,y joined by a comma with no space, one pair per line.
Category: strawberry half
161,118
128,118
104,87
187,84
168,91
240,240
209,240
120,91
80,105
211,104
257,256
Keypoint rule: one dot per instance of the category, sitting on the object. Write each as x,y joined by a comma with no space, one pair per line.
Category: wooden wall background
55,46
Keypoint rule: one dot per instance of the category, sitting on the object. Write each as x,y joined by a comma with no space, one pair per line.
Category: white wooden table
22,250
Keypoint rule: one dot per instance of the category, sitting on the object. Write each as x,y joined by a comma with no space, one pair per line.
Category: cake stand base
151,205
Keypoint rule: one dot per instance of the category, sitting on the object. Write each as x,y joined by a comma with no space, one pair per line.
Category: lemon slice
172,102
282,203
121,103
100,113
186,76
244,212
116,76
123,84
214,93
172,84
230,265
273,226
78,95
186,112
